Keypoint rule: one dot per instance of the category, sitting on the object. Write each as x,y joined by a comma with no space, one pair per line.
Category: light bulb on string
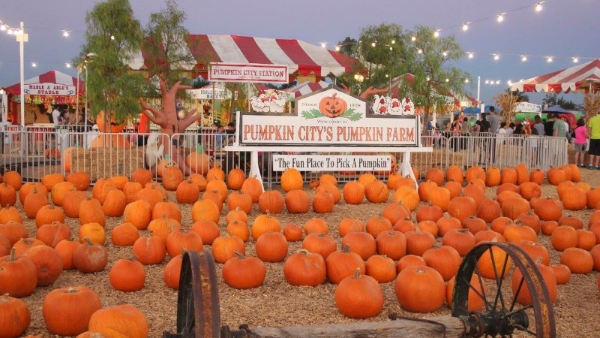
538,6
436,34
323,44
65,33
420,51
500,17
393,42
112,37
497,82
68,65
33,64
575,60
470,55
466,80
447,80
487,81
413,39
337,48
10,31
524,58
549,59
465,26
373,44
496,57
3,27
445,53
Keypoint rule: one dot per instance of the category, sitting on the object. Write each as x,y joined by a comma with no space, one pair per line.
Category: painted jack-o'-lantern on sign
332,106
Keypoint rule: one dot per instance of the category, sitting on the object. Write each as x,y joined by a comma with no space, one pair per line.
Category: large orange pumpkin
115,127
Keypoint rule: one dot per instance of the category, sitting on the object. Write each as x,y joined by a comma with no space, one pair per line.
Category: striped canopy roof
301,57
581,77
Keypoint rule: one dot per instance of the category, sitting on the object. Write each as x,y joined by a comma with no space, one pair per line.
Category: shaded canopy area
301,57
580,78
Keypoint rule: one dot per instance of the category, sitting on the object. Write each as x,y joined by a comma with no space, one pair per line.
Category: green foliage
113,36
387,51
165,44
552,99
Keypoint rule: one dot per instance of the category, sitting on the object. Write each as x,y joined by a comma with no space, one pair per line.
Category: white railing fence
35,152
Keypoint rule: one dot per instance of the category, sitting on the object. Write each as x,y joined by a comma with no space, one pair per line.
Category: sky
562,29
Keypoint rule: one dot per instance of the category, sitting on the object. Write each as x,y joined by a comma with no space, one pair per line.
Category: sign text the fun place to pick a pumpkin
331,117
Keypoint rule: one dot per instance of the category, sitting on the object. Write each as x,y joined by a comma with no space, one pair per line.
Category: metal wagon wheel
198,310
502,315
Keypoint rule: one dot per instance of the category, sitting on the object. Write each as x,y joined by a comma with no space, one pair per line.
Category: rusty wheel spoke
498,320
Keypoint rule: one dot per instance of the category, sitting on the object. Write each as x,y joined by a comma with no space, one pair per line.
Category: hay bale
107,162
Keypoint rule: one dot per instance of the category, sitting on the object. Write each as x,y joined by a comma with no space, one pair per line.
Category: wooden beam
449,327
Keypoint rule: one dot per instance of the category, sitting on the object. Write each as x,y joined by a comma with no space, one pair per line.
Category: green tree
113,36
347,46
429,59
552,99
166,46
521,97
387,51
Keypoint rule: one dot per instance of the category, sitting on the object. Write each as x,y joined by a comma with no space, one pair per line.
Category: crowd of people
580,138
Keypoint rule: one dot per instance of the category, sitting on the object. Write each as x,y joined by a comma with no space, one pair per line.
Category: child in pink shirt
580,142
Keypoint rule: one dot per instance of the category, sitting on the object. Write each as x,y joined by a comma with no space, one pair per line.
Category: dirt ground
276,303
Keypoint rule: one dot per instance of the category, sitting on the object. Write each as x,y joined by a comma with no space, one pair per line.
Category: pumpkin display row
151,211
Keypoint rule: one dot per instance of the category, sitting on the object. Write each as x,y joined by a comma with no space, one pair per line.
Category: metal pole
86,96
22,38
77,97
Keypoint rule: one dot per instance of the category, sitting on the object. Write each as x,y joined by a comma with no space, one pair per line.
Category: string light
500,17
436,34
420,51
68,65
33,64
465,26
538,6
575,60
549,59
445,53
496,57
524,58
413,39
470,55
466,80
65,33
323,44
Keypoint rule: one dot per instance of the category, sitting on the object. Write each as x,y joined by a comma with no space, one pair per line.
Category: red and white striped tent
307,88
580,78
52,77
301,57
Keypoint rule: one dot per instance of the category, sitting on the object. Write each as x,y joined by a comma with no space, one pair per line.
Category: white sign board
332,162
248,72
526,107
209,93
48,89
326,118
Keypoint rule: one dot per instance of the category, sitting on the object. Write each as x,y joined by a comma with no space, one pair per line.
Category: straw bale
106,162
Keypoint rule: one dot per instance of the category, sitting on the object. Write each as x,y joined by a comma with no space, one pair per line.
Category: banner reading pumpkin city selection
248,72
331,162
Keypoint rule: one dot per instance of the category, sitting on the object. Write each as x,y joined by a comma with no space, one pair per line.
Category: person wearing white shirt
55,117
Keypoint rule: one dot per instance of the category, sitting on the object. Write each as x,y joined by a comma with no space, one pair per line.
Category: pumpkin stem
346,248
88,240
303,251
11,256
239,254
357,274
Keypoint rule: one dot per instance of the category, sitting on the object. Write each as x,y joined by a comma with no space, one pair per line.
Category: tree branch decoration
591,103
507,103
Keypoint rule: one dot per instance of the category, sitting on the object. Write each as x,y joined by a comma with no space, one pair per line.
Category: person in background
579,142
519,129
492,118
527,126
549,125
55,116
533,142
594,124
539,125
502,130
558,127
510,130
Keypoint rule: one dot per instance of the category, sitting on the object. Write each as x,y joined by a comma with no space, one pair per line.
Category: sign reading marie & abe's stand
334,119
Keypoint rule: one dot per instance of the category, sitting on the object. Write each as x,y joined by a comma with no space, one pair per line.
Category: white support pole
21,39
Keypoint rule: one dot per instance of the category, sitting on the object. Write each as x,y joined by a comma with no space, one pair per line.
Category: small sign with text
332,162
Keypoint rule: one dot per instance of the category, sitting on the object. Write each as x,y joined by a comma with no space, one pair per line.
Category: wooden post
449,327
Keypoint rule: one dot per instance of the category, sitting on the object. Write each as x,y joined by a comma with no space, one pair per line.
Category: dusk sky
563,29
